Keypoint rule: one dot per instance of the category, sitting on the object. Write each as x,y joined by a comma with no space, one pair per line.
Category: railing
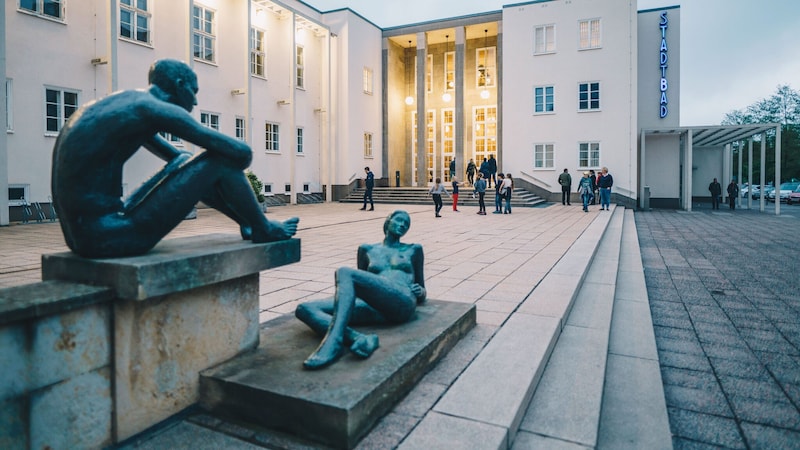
535,180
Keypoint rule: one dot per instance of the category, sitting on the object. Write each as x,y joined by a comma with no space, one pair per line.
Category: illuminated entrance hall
448,74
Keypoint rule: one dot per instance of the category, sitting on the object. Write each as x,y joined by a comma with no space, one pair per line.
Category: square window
134,20
544,39
589,34
543,156
543,99
589,96
271,131
588,155
59,105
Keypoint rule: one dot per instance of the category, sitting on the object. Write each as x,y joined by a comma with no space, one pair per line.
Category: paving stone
738,353
758,389
759,436
739,369
714,430
679,443
674,333
694,379
766,412
683,360
698,400
389,432
692,347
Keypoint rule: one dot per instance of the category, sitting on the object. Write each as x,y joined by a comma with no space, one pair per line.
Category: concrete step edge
497,386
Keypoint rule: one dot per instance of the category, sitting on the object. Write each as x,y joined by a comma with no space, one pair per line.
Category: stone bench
106,348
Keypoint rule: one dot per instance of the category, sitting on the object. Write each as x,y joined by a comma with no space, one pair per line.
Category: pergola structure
716,136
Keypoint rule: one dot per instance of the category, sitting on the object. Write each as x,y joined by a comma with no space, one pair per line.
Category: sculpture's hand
419,292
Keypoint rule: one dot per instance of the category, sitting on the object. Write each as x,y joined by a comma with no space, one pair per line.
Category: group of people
716,192
589,186
487,169
504,186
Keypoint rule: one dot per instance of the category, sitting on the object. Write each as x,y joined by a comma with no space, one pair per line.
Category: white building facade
541,86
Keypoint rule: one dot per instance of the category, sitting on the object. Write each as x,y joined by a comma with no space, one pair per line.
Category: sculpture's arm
417,261
161,148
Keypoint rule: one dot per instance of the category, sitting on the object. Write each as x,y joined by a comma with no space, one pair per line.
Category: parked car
784,191
794,197
756,189
766,190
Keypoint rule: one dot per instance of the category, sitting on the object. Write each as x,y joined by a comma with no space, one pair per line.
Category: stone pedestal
337,405
189,304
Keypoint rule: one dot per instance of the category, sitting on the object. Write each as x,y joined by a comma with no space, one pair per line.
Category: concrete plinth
189,304
339,404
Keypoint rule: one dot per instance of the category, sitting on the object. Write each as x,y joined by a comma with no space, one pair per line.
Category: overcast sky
733,52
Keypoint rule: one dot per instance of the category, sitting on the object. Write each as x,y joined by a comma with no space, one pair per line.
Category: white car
785,189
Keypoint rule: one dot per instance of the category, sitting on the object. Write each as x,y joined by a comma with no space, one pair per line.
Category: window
588,96
59,105
449,71
485,61
53,9
171,138
8,105
134,20
306,188
271,134
301,70
588,155
241,129
18,194
544,39
589,34
203,38
367,145
367,80
543,99
268,189
428,74
210,120
258,54
543,156
299,140
448,141
484,124
287,188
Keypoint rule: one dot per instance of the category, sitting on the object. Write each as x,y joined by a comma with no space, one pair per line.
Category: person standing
455,194
585,190
452,168
492,170
484,170
436,191
498,195
595,181
369,183
716,190
605,183
471,169
508,184
565,180
480,188
733,192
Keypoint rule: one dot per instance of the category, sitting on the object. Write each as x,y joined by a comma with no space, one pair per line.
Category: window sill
545,53
135,42
210,63
581,111
546,113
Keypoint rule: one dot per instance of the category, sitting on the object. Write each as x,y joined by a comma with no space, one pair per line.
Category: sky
733,52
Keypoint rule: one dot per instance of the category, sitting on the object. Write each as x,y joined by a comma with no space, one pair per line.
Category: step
567,403
633,387
493,392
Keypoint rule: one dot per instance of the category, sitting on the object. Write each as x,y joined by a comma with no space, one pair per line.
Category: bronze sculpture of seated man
101,136
385,288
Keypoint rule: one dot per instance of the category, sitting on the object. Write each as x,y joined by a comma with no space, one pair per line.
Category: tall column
422,166
750,172
739,177
761,199
3,140
777,170
642,165
727,170
689,162
461,41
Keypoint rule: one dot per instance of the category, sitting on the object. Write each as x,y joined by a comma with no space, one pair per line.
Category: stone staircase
419,196
575,366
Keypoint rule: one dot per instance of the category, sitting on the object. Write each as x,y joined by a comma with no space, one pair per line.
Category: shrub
257,186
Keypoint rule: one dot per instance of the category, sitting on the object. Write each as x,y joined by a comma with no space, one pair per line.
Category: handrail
627,192
353,177
536,180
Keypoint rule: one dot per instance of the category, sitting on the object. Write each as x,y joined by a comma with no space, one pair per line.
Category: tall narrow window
272,139
543,156
59,105
588,155
367,145
589,96
449,71
241,129
9,105
484,124
367,80
301,69
258,54
52,9
299,140
429,74
203,33
543,100
589,34
210,120
544,39
448,141
485,62
134,20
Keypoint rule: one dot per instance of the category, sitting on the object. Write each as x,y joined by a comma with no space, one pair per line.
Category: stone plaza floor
723,290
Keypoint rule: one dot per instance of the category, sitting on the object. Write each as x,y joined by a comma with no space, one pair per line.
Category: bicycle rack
39,212
26,212
53,215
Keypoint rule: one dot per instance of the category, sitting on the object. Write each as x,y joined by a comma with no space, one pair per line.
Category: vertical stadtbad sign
663,24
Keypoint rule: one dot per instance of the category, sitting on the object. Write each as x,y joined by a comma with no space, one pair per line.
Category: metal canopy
715,135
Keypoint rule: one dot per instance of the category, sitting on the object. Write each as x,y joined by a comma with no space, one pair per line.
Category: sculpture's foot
277,232
365,345
325,355
247,232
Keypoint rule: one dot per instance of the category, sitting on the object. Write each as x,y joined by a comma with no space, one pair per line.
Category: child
436,191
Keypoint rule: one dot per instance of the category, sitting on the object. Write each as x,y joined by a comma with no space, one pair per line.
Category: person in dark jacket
492,170
565,180
604,184
484,169
733,192
369,183
471,169
716,190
